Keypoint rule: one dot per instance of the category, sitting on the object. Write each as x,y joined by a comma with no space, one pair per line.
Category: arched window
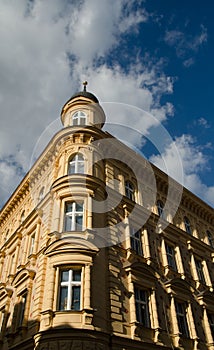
76,164
160,207
129,190
79,118
187,225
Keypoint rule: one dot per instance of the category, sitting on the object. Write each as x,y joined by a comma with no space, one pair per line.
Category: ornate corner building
96,255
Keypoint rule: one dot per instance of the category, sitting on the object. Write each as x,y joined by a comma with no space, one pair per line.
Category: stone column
176,331
207,329
56,213
133,319
87,289
89,220
36,237
191,322
154,309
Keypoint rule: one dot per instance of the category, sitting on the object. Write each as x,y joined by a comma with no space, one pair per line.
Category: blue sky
155,56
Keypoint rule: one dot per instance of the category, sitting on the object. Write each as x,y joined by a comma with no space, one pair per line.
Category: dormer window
79,118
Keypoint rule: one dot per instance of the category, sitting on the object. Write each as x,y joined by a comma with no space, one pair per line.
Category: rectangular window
70,289
22,306
142,307
136,243
170,253
181,310
32,243
200,272
211,322
74,216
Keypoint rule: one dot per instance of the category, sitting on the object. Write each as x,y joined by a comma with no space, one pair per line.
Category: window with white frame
199,269
79,118
187,225
142,306
170,253
211,323
70,289
129,190
74,216
181,313
136,241
76,164
210,239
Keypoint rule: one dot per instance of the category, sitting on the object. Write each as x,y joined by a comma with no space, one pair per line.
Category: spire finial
85,83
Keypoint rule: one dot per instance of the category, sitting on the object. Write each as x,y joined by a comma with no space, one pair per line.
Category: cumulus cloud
194,161
47,49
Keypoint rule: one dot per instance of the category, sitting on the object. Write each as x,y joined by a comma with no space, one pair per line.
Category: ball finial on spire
85,83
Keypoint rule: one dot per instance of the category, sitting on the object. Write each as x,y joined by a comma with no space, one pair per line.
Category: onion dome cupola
83,109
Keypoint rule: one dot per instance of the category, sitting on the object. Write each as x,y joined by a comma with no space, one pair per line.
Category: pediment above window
71,244
22,276
5,291
179,287
141,271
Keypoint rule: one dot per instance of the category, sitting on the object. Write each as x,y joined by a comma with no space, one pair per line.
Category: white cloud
186,44
47,48
193,160
203,122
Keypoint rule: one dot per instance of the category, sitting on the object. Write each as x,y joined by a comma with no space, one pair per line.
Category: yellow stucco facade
95,253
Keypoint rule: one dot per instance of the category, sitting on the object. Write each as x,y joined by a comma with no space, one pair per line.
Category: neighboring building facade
95,254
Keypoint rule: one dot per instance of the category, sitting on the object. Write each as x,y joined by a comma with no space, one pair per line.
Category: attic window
79,118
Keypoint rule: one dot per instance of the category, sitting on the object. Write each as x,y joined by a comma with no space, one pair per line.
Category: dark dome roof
86,94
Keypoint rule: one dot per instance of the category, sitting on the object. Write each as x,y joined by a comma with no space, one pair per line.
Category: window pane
79,223
82,121
69,207
79,207
64,276
68,223
80,168
71,169
63,298
76,298
77,275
